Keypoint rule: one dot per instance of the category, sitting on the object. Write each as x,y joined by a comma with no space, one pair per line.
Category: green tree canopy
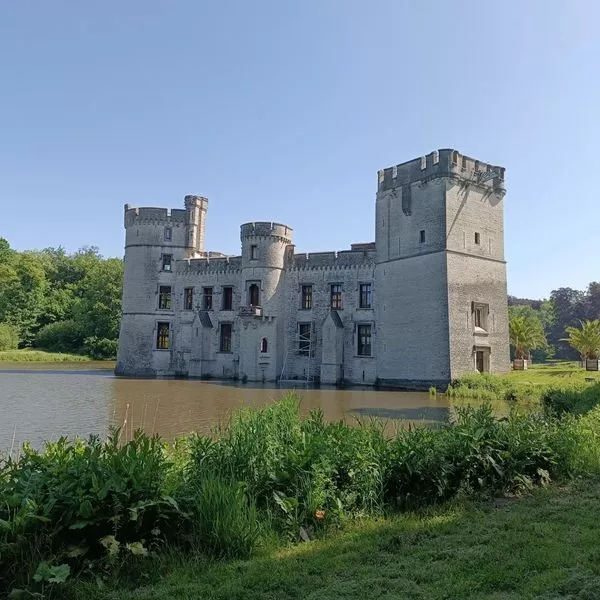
585,338
526,331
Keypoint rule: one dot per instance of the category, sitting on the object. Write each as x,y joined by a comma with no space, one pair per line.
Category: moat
42,402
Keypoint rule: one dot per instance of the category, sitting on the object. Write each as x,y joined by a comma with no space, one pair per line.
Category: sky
284,111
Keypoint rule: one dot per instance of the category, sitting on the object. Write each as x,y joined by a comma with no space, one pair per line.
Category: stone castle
422,304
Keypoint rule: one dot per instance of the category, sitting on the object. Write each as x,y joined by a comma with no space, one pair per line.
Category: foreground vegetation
509,549
107,514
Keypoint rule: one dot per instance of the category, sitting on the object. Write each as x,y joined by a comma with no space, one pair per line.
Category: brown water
42,402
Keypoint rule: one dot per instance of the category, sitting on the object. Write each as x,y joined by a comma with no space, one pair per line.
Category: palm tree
525,335
585,339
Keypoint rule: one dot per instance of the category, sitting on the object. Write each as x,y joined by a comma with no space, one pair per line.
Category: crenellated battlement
150,214
208,264
342,259
445,162
266,228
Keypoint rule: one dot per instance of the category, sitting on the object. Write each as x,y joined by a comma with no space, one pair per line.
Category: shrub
9,337
62,336
101,349
578,400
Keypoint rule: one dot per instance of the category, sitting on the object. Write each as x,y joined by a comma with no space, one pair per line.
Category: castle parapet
266,228
445,162
333,260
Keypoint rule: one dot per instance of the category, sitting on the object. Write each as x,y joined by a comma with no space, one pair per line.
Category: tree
585,339
569,309
593,301
525,333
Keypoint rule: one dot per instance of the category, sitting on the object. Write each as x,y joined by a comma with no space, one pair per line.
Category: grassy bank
111,513
40,356
504,549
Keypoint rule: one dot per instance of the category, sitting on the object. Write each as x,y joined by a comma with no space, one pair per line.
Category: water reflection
47,402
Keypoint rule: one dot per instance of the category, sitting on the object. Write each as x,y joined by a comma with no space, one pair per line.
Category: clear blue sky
281,110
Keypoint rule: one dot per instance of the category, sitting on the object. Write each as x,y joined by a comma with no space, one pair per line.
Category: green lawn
555,373
39,356
545,546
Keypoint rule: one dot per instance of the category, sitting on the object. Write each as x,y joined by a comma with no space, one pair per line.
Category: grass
543,546
554,373
28,355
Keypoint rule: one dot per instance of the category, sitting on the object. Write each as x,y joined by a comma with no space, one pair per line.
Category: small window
304,338
162,336
225,340
207,298
365,295
306,302
464,162
188,298
336,296
455,157
166,262
253,252
227,298
364,340
264,345
477,238
422,236
168,234
164,297
480,316
254,295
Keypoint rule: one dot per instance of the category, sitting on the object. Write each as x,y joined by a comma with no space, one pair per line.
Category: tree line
60,302
550,324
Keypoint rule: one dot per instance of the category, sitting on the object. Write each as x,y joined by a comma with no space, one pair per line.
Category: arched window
254,295
264,345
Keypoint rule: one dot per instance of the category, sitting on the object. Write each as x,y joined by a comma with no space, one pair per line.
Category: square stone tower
441,308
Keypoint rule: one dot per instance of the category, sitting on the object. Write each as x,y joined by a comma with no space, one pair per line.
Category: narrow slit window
477,238
168,234
422,236
253,252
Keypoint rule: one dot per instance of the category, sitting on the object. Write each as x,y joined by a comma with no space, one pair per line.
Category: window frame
167,263
304,345
227,295
206,296
168,234
222,346
188,298
480,315
254,252
336,301
477,238
422,236
165,298
366,294
367,344
306,299
163,342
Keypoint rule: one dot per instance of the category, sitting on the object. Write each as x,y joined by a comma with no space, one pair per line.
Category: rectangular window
207,294
168,234
304,338
480,316
166,262
162,336
364,340
164,297
225,342
188,298
336,296
253,252
365,295
306,297
422,236
477,238
227,298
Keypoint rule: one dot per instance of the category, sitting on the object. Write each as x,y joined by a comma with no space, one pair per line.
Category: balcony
251,311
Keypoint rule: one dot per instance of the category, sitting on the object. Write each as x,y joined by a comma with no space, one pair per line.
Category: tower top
445,162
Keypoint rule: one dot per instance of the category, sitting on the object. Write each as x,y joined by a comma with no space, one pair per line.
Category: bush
9,338
101,349
577,400
62,336
485,386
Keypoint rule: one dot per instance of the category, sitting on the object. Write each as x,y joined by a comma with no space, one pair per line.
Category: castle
422,304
